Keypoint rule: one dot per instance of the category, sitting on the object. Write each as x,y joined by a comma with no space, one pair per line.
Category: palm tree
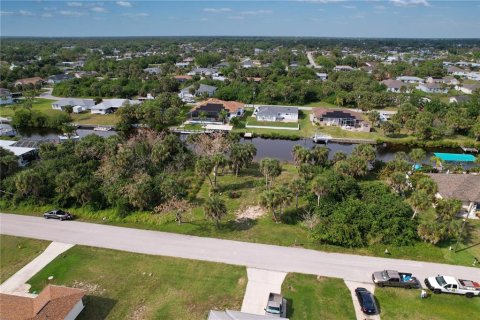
398,182
374,117
223,115
417,155
300,155
270,169
319,156
204,167
269,200
203,116
298,187
320,187
215,209
420,201
218,160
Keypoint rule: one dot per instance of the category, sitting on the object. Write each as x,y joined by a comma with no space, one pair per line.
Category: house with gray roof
5,96
204,89
432,87
111,105
276,113
395,85
59,78
79,105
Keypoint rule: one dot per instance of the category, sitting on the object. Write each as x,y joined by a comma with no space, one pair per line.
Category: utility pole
460,234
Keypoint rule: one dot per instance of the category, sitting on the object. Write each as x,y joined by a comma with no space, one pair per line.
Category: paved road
48,95
311,60
269,257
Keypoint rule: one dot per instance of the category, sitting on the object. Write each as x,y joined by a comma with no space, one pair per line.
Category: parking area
352,285
260,284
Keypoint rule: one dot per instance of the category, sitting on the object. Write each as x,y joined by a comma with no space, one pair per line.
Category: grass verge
16,252
123,285
309,297
398,304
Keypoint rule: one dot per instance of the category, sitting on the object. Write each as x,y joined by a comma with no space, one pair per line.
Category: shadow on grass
379,307
239,224
290,308
238,186
96,308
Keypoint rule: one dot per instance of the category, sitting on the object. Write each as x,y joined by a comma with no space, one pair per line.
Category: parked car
392,278
58,214
276,306
366,300
446,284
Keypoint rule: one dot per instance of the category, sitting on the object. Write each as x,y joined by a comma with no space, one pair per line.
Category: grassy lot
321,104
123,285
309,297
398,304
248,186
253,122
45,106
16,252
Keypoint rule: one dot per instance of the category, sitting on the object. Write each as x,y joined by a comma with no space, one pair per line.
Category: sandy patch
90,288
252,213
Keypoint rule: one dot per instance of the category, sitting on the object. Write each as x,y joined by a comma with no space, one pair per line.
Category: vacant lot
124,285
311,297
406,304
16,252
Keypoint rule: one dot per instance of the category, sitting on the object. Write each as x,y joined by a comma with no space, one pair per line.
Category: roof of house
455,69
201,89
460,99
409,78
464,187
88,103
391,83
275,110
53,303
32,80
4,92
237,315
182,77
472,86
213,104
113,103
431,85
60,77
336,113
18,151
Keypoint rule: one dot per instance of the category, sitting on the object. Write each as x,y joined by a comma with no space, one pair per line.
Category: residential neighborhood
231,160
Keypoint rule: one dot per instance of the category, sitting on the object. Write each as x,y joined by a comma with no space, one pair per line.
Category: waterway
271,148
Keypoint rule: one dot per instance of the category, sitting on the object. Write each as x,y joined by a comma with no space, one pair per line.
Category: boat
64,137
102,128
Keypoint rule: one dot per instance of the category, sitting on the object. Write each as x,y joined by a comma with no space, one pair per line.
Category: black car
58,214
366,300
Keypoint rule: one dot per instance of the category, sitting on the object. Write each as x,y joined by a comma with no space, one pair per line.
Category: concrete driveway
260,284
352,285
17,285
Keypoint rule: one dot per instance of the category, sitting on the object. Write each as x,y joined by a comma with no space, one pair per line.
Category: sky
313,18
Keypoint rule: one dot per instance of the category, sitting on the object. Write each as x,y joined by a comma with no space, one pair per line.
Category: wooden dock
467,149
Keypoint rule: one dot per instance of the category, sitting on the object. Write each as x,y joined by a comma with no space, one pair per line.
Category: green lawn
248,186
398,304
16,252
309,297
123,285
45,106
253,122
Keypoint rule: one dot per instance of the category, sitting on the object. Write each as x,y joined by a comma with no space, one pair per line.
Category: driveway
352,285
260,284
253,255
17,285
48,95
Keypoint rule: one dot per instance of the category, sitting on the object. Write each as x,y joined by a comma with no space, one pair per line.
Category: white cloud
322,1
25,13
217,10
256,12
125,4
410,3
99,9
236,17
69,13
349,7
74,4
136,15
204,19
379,7
47,15
6,13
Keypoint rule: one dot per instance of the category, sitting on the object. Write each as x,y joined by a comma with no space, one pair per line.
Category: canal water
271,148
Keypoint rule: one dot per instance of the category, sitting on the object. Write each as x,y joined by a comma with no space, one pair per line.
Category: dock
467,149
248,135
317,138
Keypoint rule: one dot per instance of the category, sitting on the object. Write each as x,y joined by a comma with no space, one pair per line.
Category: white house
111,105
79,105
395,85
409,79
342,68
322,76
456,71
468,88
186,96
5,96
432,88
24,155
473,76
275,113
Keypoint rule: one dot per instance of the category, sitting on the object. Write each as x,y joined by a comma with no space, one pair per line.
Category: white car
446,284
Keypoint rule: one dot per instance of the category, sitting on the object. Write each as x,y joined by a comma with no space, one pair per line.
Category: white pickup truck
446,284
